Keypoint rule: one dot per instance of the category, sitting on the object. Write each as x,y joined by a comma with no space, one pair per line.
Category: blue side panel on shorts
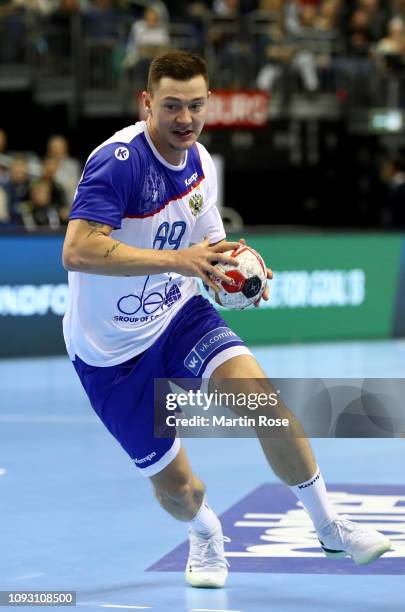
209,343
123,395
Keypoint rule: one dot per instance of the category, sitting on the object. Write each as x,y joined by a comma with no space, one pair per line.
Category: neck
175,158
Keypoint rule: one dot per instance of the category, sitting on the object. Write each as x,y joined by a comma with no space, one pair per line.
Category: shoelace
343,524
211,552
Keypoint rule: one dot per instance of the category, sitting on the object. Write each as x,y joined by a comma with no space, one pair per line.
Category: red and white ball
250,279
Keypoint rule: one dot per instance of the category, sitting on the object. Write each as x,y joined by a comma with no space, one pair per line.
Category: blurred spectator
233,8
376,14
397,8
232,64
68,170
289,56
394,42
50,167
227,8
195,15
39,210
4,159
329,15
12,31
360,34
393,176
148,37
389,55
4,214
104,18
17,189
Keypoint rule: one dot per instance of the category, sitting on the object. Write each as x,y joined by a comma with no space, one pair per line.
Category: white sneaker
206,565
343,538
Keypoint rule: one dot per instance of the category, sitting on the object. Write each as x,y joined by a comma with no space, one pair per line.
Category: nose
184,116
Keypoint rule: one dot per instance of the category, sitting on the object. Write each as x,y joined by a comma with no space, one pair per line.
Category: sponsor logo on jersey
196,203
147,303
207,345
271,532
121,153
191,179
193,363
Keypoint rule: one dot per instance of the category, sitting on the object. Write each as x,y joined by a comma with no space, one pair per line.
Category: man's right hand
200,259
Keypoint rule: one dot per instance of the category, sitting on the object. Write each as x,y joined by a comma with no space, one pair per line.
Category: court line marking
213,610
29,576
126,606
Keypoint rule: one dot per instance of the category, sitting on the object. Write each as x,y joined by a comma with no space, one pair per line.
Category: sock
205,522
312,493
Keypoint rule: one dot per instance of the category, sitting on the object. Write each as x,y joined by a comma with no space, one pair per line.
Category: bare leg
289,455
178,490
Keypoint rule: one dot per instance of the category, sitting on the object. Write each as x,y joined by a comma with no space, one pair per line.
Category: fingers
205,243
221,276
221,247
225,259
269,273
208,281
265,296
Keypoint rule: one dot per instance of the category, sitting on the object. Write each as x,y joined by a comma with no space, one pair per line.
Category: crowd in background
266,44
37,192
270,37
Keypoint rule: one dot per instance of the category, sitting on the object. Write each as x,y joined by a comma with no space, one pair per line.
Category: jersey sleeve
209,223
107,185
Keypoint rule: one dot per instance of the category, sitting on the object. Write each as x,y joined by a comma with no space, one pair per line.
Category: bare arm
89,248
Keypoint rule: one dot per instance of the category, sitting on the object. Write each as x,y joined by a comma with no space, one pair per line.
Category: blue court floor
75,515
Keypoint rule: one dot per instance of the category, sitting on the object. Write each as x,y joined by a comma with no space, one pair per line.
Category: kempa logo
145,459
191,179
309,484
121,153
28,300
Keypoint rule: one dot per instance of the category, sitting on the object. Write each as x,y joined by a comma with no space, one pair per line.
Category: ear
147,102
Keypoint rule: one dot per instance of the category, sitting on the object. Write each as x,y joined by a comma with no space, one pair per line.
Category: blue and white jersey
151,204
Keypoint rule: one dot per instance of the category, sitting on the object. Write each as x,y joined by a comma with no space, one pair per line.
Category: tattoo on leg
112,249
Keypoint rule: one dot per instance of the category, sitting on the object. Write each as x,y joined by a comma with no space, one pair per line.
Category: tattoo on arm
112,248
96,229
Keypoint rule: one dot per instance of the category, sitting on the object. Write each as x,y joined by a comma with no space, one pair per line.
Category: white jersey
128,185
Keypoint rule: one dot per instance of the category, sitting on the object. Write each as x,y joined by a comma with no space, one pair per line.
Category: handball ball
250,279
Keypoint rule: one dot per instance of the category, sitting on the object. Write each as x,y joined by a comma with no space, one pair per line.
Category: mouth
183,134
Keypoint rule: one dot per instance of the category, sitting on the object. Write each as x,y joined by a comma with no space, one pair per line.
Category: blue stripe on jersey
158,185
127,180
